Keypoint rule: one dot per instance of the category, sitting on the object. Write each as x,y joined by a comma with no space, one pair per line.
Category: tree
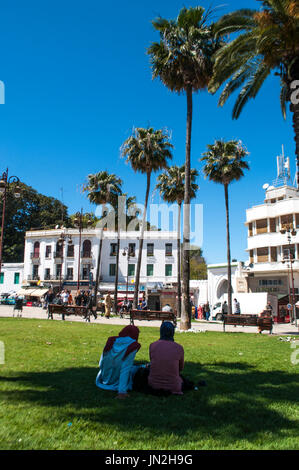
31,211
224,163
171,185
198,266
268,42
183,60
102,188
147,151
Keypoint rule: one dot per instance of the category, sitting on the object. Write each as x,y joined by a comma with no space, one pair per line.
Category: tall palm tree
171,185
183,61
224,164
268,42
102,188
147,151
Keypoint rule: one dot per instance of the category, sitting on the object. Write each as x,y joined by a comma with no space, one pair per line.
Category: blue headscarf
167,331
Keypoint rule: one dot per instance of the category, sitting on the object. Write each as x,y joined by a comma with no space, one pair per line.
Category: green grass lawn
48,397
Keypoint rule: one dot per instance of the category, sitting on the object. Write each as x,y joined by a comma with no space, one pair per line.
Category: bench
152,315
69,310
265,322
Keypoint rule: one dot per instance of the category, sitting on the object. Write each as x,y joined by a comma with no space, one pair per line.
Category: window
69,274
131,270
132,247
48,251
112,269
58,270
113,249
149,269
168,269
35,271
70,251
150,249
1,278
36,250
168,249
86,249
47,274
85,271
17,278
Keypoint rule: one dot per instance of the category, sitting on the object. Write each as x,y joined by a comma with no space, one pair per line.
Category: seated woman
116,363
167,363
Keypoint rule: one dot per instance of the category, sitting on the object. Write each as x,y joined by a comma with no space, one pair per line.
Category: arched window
86,249
59,248
36,250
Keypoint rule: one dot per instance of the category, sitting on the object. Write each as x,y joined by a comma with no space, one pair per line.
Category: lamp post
78,221
288,228
127,253
61,240
5,183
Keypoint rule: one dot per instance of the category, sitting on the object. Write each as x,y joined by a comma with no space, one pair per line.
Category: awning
39,292
26,292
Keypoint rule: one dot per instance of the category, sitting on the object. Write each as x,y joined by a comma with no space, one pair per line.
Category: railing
86,254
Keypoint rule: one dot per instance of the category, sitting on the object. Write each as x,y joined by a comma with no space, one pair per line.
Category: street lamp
289,229
5,183
60,242
78,222
126,252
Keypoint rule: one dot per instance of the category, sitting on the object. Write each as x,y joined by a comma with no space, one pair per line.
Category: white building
47,261
11,277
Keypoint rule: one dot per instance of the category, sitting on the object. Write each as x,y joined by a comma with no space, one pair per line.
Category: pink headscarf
130,331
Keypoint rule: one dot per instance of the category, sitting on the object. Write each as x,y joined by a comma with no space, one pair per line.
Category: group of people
162,375
65,297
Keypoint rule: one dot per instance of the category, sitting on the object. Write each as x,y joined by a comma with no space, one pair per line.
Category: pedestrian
269,308
207,311
70,299
64,297
224,308
236,307
108,303
167,308
200,312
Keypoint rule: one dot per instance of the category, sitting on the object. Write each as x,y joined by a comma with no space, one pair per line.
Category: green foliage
171,184
31,211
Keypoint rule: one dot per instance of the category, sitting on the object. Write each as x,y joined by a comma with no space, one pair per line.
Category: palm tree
268,42
171,185
102,188
147,150
224,164
183,61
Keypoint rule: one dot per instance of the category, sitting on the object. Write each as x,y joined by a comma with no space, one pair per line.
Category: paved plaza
202,325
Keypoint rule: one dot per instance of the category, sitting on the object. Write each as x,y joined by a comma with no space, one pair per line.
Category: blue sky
77,79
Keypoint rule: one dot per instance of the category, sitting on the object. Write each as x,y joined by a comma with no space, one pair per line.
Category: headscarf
130,331
167,331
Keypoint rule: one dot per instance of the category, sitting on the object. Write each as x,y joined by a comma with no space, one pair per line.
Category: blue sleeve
124,378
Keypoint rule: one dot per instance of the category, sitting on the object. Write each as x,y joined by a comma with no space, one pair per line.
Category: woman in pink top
167,362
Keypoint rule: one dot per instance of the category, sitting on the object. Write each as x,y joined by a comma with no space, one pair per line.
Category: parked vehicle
250,304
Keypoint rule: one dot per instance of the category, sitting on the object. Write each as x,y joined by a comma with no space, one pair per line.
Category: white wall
9,270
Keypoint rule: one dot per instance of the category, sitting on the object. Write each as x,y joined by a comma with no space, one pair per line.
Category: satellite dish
265,186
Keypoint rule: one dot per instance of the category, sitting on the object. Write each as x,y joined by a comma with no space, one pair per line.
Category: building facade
11,277
73,263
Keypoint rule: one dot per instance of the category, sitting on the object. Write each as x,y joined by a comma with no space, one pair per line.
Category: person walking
108,303
236,307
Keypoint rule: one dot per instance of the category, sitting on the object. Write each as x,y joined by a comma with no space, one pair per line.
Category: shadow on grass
239,401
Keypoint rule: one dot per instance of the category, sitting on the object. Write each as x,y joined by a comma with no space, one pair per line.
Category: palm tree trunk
116,271
137,279
229,274
98,270
185,322
179,306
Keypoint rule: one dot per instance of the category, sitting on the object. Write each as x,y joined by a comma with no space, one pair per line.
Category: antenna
283,169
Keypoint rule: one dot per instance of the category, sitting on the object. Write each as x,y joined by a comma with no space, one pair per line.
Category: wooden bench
152,315
69,310
265,322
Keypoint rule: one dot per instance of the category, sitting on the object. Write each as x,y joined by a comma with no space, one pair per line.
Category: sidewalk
203,325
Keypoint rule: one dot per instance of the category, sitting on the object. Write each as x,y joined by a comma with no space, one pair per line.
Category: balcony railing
86,254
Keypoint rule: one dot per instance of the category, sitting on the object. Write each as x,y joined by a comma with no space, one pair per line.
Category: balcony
35,258
86,255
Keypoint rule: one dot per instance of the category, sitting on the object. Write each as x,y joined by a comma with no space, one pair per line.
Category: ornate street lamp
60,242
126,252
78,221
5,185
290,230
